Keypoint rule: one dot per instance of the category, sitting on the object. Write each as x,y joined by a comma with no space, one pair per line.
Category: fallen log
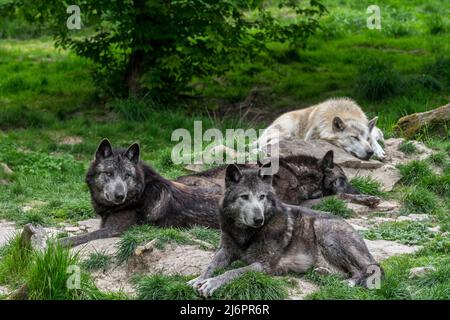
409,125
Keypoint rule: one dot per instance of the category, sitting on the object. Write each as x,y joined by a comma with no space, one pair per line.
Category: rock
7,231
383,249
409,125
414,217
388,206
34,236
358,209
436,229
420,272
4,290
7,170
301,289
72,229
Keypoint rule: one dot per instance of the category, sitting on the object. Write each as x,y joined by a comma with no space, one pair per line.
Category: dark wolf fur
276,238
125,191
299,178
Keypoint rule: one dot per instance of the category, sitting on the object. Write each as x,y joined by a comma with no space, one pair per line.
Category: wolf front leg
221,259
206,287
102,233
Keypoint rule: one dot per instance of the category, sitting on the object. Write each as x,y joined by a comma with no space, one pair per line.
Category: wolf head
301,178
114,177
248,198
353,136
334,179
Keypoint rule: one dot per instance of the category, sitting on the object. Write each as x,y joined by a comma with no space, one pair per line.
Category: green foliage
48,274
367,185
334,206
420,200
162,45
406,232
254,286
14,262
414,171
438,158
162,287
396,284
249,286
96,261
377,79
407,147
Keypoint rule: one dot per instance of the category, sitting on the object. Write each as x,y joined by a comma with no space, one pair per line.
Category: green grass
334,206
438,159
407,147
414,171
396,285
250,286
406,232
45,274
143,234
96,261
14,262
367,185
420,200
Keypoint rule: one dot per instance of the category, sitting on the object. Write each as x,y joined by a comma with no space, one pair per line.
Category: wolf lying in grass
276,238
125,191
299,178
339,121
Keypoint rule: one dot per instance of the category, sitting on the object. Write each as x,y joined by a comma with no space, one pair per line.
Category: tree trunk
133,73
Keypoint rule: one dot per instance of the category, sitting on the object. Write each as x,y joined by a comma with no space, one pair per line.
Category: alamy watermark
238,146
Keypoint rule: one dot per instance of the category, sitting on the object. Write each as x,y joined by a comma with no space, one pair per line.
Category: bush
367,185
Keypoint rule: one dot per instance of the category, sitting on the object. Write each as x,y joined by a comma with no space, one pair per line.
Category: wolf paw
194,282
322,270
206,288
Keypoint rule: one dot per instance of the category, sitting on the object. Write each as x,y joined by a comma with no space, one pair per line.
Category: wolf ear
372,123
263,172
104,150
338,124
233,174
327,161
133,153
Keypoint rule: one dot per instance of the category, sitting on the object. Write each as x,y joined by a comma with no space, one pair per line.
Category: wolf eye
244,196
262,197
356,138
108,174
127,175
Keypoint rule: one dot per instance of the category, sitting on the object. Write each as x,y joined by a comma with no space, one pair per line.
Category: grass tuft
96,261
335,206
367,185
414,171
407,147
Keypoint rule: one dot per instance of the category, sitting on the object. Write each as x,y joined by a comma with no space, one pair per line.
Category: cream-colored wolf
339,121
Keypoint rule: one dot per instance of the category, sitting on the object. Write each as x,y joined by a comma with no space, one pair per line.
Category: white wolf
339,121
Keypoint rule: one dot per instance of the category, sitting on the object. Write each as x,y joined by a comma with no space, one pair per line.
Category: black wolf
299,178
125,191
276,238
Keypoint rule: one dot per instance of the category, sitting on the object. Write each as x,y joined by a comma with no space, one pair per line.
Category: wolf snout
258,222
